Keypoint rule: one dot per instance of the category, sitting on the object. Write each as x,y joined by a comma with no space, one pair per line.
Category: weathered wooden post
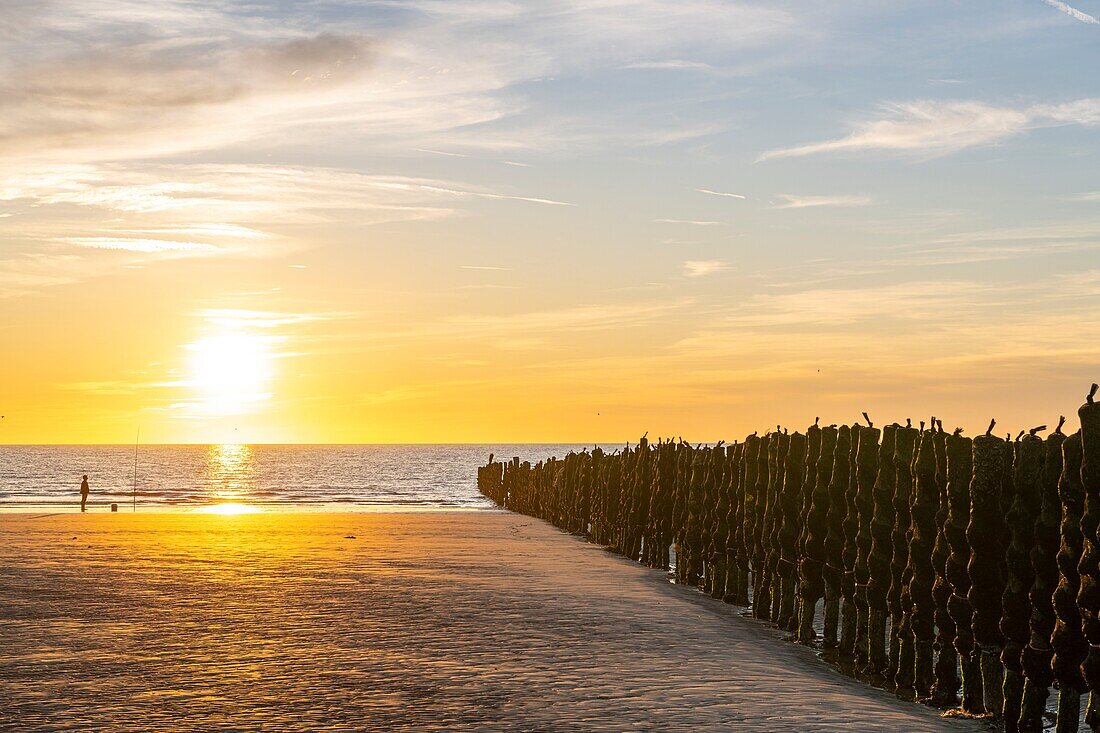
834,534
679,512
984,533
1037,655
1068,640
732,507
822,442
919,613
775,520
901,643
945,688
866,453
960,464
793,476
849,617
761,583
1015,604
715,527
879,562
750,469
695,509
1088,598
722,516
741,587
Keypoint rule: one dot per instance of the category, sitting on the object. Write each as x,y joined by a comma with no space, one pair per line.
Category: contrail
720,193
1072,12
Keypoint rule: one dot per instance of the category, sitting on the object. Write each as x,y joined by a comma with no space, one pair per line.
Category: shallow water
344,477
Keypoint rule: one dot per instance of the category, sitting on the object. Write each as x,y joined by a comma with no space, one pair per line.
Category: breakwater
962,572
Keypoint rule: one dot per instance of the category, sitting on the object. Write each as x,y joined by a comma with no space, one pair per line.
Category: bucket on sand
114,507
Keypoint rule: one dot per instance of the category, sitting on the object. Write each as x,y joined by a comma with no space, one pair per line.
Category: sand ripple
481,621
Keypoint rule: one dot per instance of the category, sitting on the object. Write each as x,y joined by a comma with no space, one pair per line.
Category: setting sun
229,371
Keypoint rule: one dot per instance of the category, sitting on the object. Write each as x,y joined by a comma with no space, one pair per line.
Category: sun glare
229,371
229,508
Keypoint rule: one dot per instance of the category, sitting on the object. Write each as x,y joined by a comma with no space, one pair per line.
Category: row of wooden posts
964,572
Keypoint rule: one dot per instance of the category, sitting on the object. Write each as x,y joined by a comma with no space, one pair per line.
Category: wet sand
444,621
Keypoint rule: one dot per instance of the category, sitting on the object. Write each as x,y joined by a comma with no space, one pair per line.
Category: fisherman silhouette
84,493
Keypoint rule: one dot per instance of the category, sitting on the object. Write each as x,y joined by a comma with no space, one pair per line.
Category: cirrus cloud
932,128
702,268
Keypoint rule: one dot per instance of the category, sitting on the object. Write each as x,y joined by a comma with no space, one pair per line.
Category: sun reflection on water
229,472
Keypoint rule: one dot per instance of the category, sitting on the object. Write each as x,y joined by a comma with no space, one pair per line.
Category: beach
421,621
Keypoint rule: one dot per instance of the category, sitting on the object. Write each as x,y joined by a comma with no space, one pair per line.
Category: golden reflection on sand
228,508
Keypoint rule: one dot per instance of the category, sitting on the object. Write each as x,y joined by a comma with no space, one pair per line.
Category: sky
565,220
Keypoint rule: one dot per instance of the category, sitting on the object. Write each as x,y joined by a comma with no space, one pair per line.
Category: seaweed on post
740,588
731,507
960,465
984,533
693,535
866,452
679,512
879,561
1068,640
819,459
945,688
900,669
708,518
1037,655
749,469
1015,604
834,533
849,630
791,502
761,582
918,616
1088,598
775,519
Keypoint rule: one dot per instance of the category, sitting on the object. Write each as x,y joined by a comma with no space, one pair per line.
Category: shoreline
255,507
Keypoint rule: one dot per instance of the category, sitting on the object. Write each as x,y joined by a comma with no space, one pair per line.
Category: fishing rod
137,438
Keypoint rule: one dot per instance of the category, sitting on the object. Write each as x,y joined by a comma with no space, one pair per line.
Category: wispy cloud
112,79
28,272
444,153
937,128
1072,12
141,93
145,246
995,244
805,202
671,65
488,195
548,323
720,193
692,222
156,211
702,268
236,318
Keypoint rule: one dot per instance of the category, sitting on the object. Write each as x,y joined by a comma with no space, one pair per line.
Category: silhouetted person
84,494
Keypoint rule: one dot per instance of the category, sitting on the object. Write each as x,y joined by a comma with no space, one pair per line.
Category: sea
260,477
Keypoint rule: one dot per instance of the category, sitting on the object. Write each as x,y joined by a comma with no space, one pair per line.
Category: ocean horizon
267,476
